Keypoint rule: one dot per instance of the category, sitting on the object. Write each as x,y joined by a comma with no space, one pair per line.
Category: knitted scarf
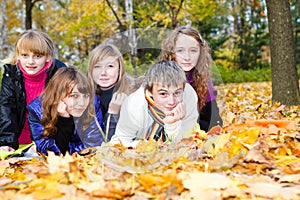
156,130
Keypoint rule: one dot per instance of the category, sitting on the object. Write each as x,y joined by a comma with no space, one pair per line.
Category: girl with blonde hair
106,69
26,73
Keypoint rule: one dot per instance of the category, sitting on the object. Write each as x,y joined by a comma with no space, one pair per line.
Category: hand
178,113
62,109
7,149
116,103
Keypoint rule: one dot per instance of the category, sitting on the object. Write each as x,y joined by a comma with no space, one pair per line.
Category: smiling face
76,102
32,63
166,98
106,72
187,51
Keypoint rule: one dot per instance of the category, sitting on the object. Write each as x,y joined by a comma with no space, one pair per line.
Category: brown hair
59,87
201,72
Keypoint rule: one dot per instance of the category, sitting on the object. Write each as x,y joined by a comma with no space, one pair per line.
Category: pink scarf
34,85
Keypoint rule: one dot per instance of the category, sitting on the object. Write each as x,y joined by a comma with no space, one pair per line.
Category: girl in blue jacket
63,118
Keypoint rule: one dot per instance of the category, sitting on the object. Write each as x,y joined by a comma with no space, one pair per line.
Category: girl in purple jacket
63,118
186,47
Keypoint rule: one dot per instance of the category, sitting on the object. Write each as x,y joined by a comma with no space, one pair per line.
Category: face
187,51
32,63
167,98
106,72
76,102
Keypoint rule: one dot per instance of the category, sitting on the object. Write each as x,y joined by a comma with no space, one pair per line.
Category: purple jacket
209,116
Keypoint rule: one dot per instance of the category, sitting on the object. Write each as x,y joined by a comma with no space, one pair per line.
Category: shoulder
35,105
135,101
137,97
189,90
58,63
8,68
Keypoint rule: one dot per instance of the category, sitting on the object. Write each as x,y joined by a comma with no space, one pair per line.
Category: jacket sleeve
190,120
10,127
92,136
130,123
34,117
210,116
110,124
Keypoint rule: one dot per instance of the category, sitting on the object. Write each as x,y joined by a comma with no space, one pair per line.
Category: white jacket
135,120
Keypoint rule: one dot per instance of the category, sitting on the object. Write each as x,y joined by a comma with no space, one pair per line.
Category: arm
110,125
210,116
65,129
10,118
92,136
34,117
112,117
133,122
190,119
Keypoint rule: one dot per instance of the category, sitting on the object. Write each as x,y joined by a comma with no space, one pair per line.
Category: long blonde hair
125,83
59,87
32,40
201,72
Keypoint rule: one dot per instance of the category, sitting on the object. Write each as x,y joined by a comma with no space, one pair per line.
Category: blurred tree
3,31
77,25
295,12
250,32
29,4
285,85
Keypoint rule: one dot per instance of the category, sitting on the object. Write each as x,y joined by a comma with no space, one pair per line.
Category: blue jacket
91,137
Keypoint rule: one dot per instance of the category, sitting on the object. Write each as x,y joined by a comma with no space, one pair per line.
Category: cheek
114,76
95,74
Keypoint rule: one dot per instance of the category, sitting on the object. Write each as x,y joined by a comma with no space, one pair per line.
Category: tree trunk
3,32
28,8
285,81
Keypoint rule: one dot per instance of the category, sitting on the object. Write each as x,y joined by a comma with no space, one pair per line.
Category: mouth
31,67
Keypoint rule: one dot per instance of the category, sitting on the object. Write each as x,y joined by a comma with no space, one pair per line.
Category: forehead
171,88
108,60
186,41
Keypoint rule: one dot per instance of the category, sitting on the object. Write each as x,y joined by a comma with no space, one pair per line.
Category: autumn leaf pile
255,156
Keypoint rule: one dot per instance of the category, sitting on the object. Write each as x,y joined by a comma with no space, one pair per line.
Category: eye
194,50
24,55
163,94
74,95
111,66
179,51
178,93
38,56
86,95
97,66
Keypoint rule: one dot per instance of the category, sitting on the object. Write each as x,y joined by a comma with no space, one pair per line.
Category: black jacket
13,102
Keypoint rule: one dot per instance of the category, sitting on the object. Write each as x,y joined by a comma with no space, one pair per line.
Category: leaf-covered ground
255,156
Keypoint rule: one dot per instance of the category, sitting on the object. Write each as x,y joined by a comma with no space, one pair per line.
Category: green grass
221,75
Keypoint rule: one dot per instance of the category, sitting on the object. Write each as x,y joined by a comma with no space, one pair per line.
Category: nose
81,101
171,99
31,60
186,55
103,70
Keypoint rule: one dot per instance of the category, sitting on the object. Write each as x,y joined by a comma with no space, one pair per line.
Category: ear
148,93
48,58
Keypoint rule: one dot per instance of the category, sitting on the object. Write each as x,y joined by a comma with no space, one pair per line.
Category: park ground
255,156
